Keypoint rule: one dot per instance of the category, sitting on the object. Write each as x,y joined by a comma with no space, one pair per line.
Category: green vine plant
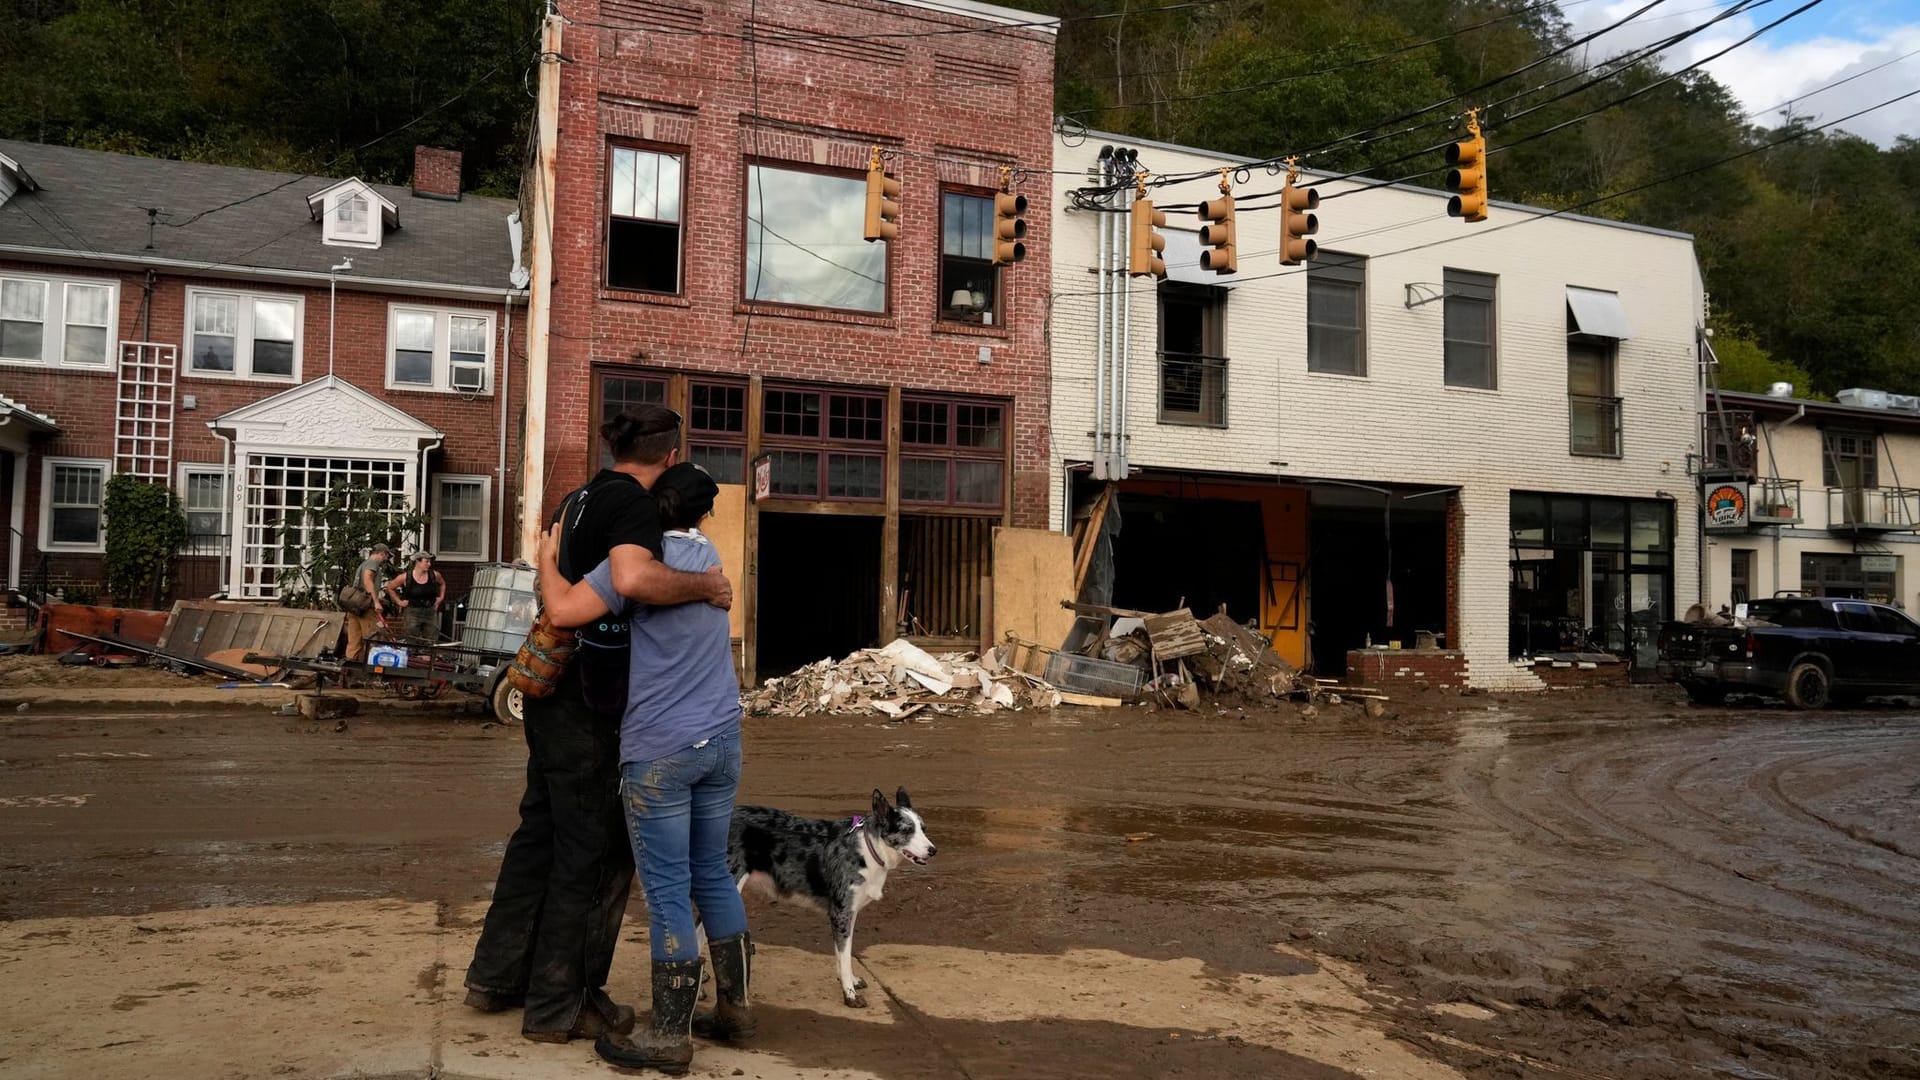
145,528
325,539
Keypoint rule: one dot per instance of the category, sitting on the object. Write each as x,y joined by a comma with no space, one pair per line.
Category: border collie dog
839,866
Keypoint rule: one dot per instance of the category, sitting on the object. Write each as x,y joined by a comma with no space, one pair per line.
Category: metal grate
1193,389
143,413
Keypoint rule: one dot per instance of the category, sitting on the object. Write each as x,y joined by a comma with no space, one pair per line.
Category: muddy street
1620,886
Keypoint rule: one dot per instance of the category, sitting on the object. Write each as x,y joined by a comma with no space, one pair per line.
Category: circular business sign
1726,505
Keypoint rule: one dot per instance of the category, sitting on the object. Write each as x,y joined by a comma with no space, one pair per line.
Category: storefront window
1590,575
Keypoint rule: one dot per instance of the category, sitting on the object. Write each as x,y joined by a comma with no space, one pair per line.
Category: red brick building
709,253
200,326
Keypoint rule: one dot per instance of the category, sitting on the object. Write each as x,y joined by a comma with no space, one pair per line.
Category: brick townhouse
709,253
187,323
1483,433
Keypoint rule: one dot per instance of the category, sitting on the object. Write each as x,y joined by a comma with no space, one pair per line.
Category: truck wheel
1707,694
509,704
1808,686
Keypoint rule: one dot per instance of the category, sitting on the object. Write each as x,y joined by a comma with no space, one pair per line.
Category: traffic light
1218,233
883,202
1296,224
1009,228
1468,175
1144,253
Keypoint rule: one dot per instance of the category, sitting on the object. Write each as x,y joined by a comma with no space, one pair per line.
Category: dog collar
858,821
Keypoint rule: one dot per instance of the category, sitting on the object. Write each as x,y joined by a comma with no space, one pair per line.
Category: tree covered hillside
1811,247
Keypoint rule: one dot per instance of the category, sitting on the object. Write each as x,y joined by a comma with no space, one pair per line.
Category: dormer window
352,214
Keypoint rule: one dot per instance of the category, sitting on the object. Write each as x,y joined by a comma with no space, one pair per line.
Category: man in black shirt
562,891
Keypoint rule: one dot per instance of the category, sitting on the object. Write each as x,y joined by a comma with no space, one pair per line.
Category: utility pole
533,448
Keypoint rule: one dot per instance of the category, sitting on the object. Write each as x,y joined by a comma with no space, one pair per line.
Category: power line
1046,22
1831,85
1542,215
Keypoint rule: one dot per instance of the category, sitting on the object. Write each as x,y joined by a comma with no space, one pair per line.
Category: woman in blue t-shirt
679,773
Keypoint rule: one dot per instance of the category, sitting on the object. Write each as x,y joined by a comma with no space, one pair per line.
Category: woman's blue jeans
679,809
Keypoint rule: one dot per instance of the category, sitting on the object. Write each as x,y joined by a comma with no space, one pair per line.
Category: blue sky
1795,62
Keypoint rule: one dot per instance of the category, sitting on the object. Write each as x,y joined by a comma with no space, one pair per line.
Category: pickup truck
1813,652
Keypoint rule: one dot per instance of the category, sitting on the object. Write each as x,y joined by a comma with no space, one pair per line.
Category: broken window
1193,371
1468,334
643,220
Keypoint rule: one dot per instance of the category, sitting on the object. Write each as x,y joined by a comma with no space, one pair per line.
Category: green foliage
329,535
145,527
1748,368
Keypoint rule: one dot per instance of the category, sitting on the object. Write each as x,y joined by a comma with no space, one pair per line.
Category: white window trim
53,322
486,515
334,236
243,337
46,504
202,468
442,340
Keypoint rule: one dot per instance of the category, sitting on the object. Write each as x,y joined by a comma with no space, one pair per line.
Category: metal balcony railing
1732,442
1873,509
1193,389
1774,502
1593,425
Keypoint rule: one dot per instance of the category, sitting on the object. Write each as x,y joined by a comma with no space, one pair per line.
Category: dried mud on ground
49,672
1568,885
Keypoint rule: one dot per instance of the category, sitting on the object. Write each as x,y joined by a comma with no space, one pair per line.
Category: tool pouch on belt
542,659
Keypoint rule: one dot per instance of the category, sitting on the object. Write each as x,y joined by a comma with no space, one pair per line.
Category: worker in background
420,593
360,600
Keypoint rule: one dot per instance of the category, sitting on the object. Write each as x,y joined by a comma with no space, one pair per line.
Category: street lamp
332,281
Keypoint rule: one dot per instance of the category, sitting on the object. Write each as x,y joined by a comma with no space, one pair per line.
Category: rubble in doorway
900,680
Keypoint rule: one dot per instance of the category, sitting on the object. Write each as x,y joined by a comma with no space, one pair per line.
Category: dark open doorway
1205,552
819,581
1348,569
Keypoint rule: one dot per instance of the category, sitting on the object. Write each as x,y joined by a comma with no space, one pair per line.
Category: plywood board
727,528
1032,573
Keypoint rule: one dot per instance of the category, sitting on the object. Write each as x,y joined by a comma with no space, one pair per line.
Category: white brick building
1829,494
1295,495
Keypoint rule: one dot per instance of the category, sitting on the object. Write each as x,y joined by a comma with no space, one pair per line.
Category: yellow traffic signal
1009,228
1218,233
1468,175
1144,255
1296,224
883,202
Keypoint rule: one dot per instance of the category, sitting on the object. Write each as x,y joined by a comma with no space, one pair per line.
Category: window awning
1182,256
1598,314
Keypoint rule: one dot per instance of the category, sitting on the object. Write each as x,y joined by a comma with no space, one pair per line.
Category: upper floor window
437,349
1193,369
352,214
804,243
241,335
643,220
1850,460
1336,314
969,281
1593,408
50,321
73,497
1469,332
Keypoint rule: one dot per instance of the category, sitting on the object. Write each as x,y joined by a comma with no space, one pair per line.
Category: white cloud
1774,69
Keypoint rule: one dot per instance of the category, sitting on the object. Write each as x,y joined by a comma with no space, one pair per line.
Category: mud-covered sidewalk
1554,886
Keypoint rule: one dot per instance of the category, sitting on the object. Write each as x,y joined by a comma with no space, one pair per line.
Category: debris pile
900,680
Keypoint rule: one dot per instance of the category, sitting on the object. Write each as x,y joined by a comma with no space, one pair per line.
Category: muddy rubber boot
619,1018
732,1017
666,1043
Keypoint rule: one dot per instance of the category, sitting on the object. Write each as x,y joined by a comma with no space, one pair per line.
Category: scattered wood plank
1175,634
1070,698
